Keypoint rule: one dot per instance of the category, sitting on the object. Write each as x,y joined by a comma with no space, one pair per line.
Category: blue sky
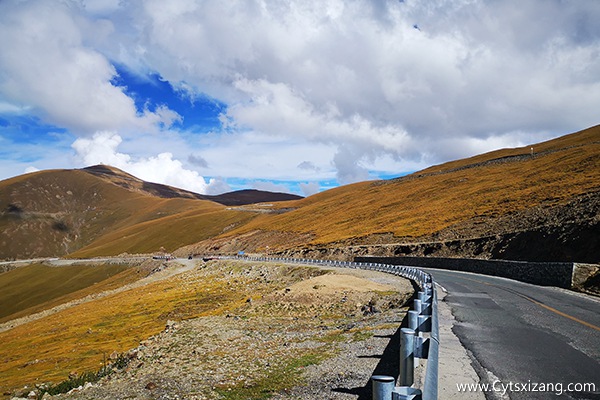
289,96
199,114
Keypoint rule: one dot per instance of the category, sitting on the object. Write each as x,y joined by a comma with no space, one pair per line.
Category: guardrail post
424,323
413,320
417,305
383,386
407,357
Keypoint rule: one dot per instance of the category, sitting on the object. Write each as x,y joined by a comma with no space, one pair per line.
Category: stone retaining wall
560,274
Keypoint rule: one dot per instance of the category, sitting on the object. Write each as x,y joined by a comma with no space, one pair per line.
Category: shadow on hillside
389,361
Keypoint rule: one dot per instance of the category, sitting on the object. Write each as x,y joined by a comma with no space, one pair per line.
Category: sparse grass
81,379
76,339
31,288
359,336
285,376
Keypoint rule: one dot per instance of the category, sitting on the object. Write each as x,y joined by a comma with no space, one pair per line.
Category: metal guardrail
419,341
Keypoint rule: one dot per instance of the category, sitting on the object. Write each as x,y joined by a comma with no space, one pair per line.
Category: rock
32,395
75,390
171,326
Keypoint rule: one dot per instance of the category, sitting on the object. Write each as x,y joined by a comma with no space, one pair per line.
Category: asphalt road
527,341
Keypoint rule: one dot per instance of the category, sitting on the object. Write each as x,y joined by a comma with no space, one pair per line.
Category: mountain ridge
485,206
237,197
57,212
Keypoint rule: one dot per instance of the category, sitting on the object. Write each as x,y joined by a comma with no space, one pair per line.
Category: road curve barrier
420,341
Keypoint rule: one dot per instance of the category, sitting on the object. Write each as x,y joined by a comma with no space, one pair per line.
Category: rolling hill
540,203
58,212
507,204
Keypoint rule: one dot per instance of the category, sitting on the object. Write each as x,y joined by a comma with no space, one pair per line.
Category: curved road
526,341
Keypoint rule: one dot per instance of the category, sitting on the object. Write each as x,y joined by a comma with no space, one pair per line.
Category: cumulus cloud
351,85
347,163
359,73
310,188
102,148
48,66
198,161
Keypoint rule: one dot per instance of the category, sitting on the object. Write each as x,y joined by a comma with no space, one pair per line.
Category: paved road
525,337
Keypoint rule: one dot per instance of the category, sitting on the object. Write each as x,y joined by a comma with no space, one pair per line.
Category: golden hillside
58,212
502,192
547,195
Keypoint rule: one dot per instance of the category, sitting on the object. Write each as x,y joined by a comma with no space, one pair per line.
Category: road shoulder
455,366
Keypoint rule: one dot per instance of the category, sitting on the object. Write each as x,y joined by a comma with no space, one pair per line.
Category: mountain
237,198
540,202
173,321
58,212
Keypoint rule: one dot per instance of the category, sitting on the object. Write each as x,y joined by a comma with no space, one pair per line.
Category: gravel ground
322,337
303,335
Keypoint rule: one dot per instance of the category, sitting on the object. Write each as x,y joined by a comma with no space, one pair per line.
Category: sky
292,96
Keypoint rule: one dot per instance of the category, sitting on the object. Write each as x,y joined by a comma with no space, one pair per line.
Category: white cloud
29,170
359,73
270,187
349,86
47,66
349,169
310,188
102,148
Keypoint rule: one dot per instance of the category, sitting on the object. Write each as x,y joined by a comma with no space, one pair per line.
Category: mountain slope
513,204
57,212
130,182
552,193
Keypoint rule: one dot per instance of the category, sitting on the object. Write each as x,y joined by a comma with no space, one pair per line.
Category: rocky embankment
567,232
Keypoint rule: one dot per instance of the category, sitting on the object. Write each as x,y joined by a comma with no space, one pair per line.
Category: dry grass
77,338
71,211
29,289
106,219
170,233
439,197
46,350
